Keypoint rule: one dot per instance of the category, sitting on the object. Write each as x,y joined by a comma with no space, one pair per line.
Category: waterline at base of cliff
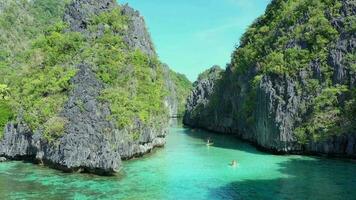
187,169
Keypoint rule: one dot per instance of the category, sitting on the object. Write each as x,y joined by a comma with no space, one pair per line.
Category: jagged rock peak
212,73
200,95
79,12
137,36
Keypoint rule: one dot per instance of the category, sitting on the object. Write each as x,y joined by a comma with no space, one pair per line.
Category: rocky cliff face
198,100
171,100
137,36
262,99
79,13
91,141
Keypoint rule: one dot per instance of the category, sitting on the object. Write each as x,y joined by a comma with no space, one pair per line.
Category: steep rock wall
91,141
266,108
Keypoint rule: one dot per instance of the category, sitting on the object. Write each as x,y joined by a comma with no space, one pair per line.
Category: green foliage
249,103
5,109
283,43
134,81
296,59
136,135
266,41
42,93
22,20
244,58
5,115
256,81
318,32
122,107
4,92
274,63
290,43
350,111
350,62
326,119
301,135
39,55
48,12
58,47
80,105
15,26
54,128
140,94
183,88
108,55
149,73
42,87
313,86
248,107
113,20
350,23
213,73
30,62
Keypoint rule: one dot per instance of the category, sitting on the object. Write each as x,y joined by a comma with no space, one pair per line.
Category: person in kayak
233,163
209,142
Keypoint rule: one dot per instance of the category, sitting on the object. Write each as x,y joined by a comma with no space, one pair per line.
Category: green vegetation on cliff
135,87
327,118
5,109
43,83
22,20
283,42
291,78
287,36
39,56
183,88
35,60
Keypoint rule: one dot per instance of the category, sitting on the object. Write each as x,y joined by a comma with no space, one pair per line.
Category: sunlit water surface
188,169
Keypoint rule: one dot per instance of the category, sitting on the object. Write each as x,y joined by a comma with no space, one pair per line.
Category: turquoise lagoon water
188,169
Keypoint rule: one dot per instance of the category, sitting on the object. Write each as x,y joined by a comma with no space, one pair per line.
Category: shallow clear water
187,169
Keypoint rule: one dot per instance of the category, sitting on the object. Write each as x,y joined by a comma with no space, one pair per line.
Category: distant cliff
84,89
179,88
290,86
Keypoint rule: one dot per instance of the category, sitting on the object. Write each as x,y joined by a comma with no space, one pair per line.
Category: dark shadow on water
301,179
23,180
222,140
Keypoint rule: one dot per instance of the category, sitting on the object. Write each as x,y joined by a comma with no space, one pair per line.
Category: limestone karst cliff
290,86
85,89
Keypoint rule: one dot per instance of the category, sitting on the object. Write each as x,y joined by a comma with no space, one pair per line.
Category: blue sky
192,35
